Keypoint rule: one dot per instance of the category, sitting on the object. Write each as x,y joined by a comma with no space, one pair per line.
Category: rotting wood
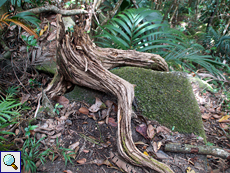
81,62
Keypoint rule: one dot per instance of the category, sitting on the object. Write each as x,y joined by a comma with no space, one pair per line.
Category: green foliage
56,107
12,90
34,82
8,108
218,43
29,128
30,41
135,29
65,152
28,17
30,153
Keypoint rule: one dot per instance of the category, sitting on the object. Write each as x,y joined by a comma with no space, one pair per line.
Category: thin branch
52,8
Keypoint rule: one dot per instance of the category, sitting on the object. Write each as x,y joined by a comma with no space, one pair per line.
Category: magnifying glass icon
9,160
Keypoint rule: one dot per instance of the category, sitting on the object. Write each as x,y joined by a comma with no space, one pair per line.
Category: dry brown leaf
216,116
108,103
150,131
55,136
74,145
97,105
17,131
163,129
155,147
62,100
85,151
24,98
81,161
92,115
67,171
142,129
206,116
84,110
112,122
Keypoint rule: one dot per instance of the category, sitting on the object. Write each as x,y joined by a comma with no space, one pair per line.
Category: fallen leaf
151,131
122,164
92,115
216,116
81,161
85,151
145,153
67,171
142,129
74,145
189,170
163,129
24,98
84,110
97,106
17,131
43,30
112,122
155,147
206,116
55,136
100,162
62,100
224,118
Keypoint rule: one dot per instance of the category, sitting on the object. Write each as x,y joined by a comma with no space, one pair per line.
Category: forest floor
95,143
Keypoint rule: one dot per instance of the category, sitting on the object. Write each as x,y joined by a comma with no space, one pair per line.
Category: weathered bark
81,62
191,149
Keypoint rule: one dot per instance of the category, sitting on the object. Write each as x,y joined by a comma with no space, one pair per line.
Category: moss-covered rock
83,94
166,97
163,96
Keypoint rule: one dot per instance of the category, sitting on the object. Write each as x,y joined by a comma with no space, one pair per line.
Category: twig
19,80
52,8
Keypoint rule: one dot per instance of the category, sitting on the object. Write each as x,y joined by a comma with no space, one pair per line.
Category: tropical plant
61,151
8,109
30,153
26,16
135,29
218,43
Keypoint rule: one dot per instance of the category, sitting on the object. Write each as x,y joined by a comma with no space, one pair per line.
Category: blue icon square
10,161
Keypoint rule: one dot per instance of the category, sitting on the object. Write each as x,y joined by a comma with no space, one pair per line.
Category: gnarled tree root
81,62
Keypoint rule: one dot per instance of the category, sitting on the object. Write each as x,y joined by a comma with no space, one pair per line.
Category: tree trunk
81,62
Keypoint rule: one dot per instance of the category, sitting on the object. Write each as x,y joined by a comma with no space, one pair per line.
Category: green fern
8,109
133,29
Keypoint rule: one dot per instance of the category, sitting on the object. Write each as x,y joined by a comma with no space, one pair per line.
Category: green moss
83,94
165,97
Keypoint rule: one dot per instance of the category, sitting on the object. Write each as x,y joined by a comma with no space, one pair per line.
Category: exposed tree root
81,62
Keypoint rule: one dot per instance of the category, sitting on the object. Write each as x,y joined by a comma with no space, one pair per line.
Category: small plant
29,129
34,82
30,41
12,90
65,152
56,107
31,153
69,3
9,108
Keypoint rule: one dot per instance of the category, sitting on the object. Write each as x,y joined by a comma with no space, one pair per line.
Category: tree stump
82,63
